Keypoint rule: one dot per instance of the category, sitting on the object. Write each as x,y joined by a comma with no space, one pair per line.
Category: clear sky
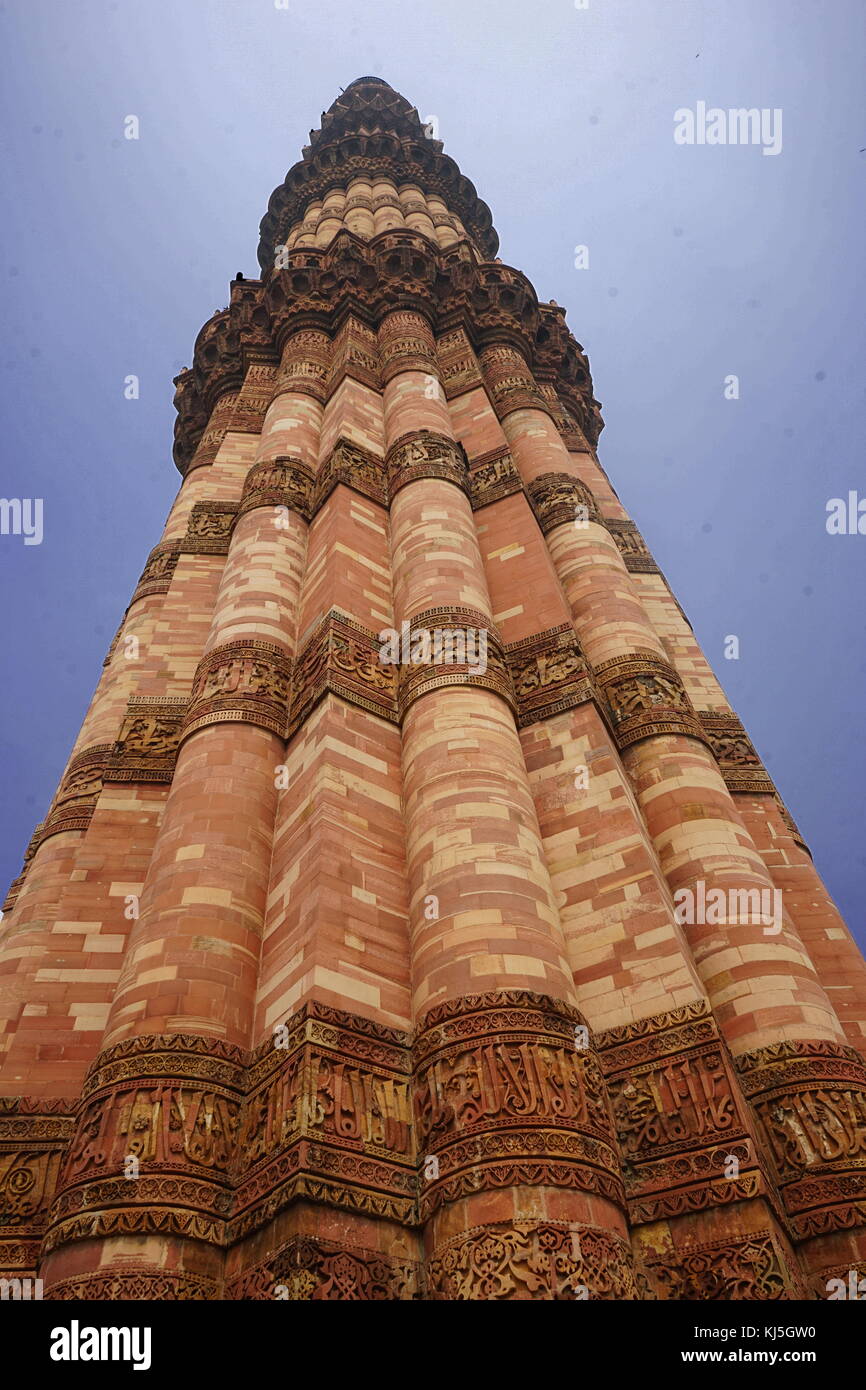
704,261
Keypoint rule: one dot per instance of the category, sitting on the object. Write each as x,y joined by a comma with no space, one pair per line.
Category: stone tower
414,917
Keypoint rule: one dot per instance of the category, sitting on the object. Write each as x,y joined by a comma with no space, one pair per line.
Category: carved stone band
240,681
342,657
493,476
452,646
549,674
424,454
502,1087
810,1102
279,482
679,1115
733,750
550,1260
646,697
558,499
632,547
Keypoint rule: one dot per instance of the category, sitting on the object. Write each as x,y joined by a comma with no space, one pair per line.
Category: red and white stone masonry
330,976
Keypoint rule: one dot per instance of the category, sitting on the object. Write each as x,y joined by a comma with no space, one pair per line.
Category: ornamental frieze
646,697
679,1116
733,750
240,681
751,1267
493,475
147,744
18,883
632,547
328,1109
509,381
155,1138
305,365
158,571
451,646
550,1260
76,798
458,365
308,1269
355,355
208,529
143,1283
810,1102
558,499
425,454
284,481
34,1135
507,1091
549,674
406,345
357,468
341,657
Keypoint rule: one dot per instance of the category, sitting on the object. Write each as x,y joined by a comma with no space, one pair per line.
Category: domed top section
372,132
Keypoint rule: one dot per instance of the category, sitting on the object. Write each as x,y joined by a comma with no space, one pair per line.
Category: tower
414,917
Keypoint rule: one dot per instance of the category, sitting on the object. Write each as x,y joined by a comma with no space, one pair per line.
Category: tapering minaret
414,917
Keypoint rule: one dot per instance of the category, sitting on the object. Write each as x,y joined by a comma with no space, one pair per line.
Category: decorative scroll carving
284,481
358,468
147,744
209,529
678,1115
356,355
33,1137
458,367
309,1269
555,499
223,360
405,341
448,627
328,1117
493,476
245,681
509,381
18,883
646,697
504,1096
552,1260
424,454
145,1283
157,573
251,406
740,765
305,365
750,1267
174,1104
569,429
549,674
632,547
810,1102
342,657
75,802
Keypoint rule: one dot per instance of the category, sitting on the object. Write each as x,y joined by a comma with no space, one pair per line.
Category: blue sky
703,261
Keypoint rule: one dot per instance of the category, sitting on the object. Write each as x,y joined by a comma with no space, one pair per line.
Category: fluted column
493,992
761,983
181,1017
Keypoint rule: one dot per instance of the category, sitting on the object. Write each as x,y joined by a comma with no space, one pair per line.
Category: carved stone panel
645,697
493,476
425,454
341,656
240,681
558,499
506,1093
549,674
